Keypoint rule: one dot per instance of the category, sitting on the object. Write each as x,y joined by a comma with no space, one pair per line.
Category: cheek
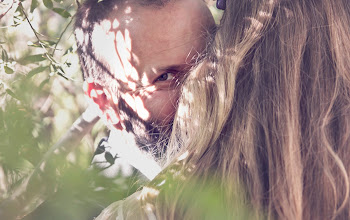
162,105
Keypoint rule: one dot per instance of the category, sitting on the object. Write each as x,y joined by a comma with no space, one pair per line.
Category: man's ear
102,100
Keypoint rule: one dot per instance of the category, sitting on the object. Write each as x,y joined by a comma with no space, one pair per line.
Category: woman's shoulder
133,207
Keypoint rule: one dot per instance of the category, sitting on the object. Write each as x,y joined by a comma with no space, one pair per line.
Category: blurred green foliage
30,91
40,97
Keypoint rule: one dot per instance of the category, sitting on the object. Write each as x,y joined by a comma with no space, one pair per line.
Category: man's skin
148,50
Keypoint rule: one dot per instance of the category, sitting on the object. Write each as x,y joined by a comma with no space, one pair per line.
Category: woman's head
269,107
266,116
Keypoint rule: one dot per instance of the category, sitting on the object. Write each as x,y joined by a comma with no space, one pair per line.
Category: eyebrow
180,67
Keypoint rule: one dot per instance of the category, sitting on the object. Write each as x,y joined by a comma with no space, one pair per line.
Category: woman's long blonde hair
269,110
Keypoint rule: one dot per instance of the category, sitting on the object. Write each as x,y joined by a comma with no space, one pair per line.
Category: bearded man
134,55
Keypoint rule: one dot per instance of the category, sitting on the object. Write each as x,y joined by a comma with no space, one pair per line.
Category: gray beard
149,136
153,140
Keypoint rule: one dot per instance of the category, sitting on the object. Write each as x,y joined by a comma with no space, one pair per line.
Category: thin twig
61,35
3,14
78,3
31,26
47,55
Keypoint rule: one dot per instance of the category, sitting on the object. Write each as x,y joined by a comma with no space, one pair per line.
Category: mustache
149,136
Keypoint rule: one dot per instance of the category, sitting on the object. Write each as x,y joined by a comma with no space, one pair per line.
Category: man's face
149,50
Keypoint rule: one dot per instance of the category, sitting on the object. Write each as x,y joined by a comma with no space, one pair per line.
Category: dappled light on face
140,108
131,86
137,105
135,59
128,21
103,40
95,93
123,46
124,50
147,91
81,36
106,25
145,79
84,22
115,24
127,40
127,10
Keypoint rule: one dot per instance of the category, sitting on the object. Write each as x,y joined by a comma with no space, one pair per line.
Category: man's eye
165,77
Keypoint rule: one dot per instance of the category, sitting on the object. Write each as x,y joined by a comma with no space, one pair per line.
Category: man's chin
153,140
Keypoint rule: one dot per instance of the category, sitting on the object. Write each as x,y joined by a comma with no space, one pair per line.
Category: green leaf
63,12
36,44
12,94
34,58
34,5
23,165
48,3
19,10
4,56
61,72
46,43
8,70
43,83
36,71
69,50
49,42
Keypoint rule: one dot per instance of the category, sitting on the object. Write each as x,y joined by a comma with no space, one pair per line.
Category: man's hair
90,13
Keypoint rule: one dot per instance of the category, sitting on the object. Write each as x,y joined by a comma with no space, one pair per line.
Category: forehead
153,37
176,27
